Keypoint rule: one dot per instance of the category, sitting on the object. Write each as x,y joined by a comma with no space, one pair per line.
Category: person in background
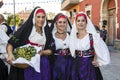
13,29
88,49
4,26
34,31
4,67
4,37
103,33
61,67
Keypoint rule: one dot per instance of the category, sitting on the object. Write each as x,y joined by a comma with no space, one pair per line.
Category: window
88,13
74,12
70,13
88,10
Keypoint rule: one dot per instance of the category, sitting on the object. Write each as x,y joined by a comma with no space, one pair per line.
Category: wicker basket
21,65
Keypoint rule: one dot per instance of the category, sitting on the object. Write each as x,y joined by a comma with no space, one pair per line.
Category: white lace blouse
61,44
83,44
101,50
35,37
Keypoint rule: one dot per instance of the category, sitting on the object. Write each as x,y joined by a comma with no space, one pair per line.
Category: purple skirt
62,67
31,74
83,69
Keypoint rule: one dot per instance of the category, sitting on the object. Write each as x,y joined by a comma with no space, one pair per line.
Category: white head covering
33,33
89,28
68,29
35,37
35,14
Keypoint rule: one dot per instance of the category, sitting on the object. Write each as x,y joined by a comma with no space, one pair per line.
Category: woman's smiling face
81,22
39,19
61,24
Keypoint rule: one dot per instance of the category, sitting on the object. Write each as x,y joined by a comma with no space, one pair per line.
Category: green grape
28,57
25,52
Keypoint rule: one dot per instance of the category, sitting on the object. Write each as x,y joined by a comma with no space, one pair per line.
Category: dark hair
2,17
81,14
103,26
23,33
55,19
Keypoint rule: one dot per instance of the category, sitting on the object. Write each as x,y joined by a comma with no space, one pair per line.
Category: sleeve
50,43
4,28
101,50
3,41
3,37
18,38
14,41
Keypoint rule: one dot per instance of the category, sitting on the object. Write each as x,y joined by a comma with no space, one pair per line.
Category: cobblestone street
112,71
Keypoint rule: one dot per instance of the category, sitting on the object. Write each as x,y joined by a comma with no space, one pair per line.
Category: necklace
60,33
61,36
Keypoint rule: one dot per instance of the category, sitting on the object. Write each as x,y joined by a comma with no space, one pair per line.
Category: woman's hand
45,52
10,58
41,52
95,63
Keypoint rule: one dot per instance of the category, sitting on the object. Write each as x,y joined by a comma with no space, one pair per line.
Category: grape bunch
25,52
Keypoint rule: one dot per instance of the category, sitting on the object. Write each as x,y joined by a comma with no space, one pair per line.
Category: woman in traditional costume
61,67
4,67
88,49
34,31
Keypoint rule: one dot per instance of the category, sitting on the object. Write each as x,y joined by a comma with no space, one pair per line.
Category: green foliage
10,20
25,52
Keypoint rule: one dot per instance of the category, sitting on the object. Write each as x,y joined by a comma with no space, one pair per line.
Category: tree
10,20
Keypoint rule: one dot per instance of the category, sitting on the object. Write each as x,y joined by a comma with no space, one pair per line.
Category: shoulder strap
9,30
91,44
91,40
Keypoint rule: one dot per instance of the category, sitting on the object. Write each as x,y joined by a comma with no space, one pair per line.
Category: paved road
112,71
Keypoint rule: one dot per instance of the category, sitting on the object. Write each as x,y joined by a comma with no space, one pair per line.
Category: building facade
101,12
24,14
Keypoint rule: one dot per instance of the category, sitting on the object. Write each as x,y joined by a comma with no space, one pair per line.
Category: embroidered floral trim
52,44
16,41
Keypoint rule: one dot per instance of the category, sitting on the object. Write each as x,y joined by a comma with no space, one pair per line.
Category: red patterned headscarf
81,14
40,11
61,16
